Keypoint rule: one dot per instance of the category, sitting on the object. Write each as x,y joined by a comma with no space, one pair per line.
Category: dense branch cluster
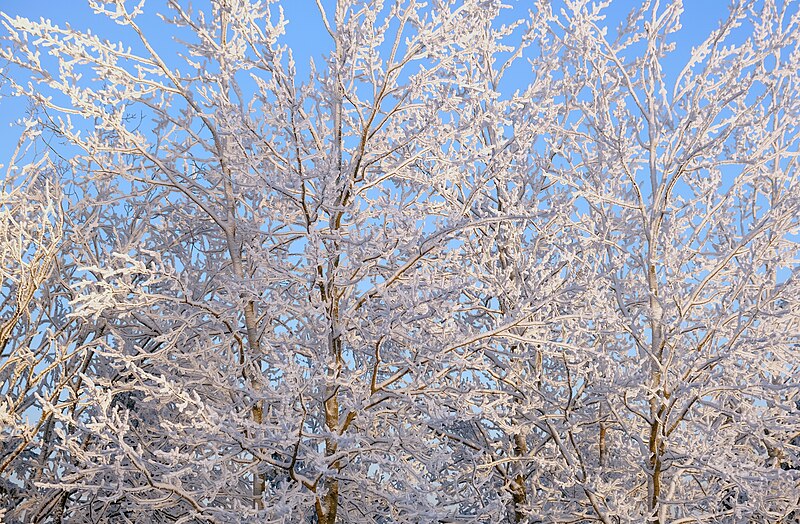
476,263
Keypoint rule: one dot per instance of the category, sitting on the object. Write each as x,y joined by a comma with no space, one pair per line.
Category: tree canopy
479,263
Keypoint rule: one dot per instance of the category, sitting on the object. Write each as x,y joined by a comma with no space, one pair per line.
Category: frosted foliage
472,263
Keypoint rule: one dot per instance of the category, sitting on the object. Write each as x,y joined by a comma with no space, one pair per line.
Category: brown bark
328,503
518,492
602,436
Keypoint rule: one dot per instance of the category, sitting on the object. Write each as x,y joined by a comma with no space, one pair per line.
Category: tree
397,291
691,188
44,350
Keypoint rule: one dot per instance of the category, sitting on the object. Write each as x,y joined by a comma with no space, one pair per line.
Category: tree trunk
518,492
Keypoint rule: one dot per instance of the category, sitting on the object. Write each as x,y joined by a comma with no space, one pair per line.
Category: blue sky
305,34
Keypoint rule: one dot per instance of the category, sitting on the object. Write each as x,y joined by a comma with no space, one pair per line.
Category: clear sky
305,34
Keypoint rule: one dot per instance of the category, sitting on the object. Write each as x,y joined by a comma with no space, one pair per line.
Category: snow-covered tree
690,188
480,264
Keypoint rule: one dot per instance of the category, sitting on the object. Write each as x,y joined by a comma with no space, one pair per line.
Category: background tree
45,350
690,192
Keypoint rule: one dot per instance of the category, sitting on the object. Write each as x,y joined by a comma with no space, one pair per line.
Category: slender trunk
657,405
251,365
519,494
327,501
602,436
253,345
